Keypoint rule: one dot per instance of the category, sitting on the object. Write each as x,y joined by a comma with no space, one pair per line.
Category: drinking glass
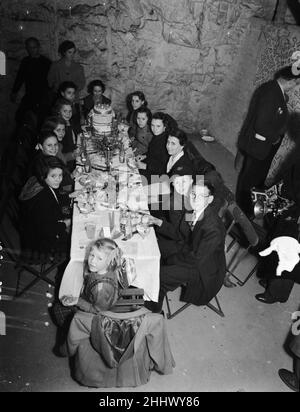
90,229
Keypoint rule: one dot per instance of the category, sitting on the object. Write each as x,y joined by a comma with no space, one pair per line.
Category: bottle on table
112,192
122,153
125,224
128,230
86,161
123,220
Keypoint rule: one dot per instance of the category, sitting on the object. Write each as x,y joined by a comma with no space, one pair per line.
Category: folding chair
217,309
221,206
40,265
242,233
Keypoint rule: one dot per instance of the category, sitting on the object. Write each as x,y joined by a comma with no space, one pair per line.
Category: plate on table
95,178
83,180
208,138
100,168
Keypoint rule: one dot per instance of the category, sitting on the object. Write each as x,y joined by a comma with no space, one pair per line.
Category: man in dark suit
200,263
292,379
171,230
262,133
278,289
32,73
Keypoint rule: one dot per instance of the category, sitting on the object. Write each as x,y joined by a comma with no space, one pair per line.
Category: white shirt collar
197,215
54,194
173,160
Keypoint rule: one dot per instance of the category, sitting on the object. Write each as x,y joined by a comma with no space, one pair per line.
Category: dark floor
240,353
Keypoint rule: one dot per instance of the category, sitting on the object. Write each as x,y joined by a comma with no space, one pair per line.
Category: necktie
191,219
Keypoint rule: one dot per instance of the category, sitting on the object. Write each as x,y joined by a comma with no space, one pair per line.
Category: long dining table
104,219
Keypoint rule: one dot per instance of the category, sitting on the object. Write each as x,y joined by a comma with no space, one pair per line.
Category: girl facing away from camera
99,292
100,289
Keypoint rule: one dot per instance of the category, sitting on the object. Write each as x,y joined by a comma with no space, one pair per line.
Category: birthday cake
101,118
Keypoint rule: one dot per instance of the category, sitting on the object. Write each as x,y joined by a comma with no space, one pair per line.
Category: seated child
140,132
67,90
100,289
63,108
95,89
57,125
134,101
105,273
49,145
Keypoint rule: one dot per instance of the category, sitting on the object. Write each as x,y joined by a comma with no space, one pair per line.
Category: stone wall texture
198,60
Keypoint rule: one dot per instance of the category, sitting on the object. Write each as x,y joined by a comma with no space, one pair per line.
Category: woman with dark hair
179,159
134,101
95,89
63,108
49,145
66,69
157,156
57,124
44,226
176,208
140,132
54,126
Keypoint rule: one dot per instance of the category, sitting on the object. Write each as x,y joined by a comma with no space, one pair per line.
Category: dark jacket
41,213
59,73
183,165
70,141
67,185
203,250
285,224
33,73
173,232
141,138
157,155
267,115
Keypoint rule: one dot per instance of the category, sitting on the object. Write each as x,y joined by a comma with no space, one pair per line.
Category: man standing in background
262,133
33,72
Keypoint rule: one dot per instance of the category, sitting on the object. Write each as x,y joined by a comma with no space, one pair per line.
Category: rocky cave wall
195,59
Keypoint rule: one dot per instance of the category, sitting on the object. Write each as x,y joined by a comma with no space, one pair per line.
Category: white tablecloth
145,252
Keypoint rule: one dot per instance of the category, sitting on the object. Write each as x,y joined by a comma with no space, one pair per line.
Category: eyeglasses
193,195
